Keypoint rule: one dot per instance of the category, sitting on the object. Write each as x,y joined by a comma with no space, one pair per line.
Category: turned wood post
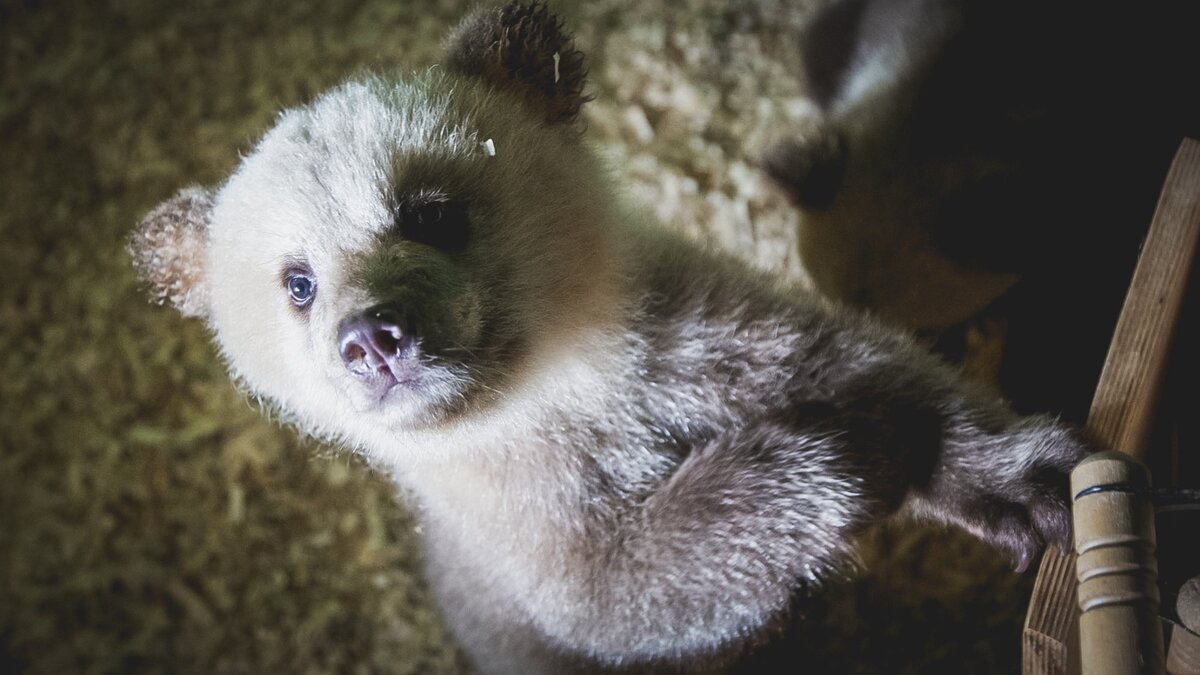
1119,628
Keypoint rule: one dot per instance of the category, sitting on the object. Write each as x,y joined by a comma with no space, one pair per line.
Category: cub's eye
440,224
301,286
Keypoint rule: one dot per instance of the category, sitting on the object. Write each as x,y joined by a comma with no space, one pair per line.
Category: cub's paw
1015,495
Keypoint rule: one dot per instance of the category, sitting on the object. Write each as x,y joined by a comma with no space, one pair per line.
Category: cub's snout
376,347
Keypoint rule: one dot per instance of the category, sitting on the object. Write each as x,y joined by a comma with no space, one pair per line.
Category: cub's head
389,255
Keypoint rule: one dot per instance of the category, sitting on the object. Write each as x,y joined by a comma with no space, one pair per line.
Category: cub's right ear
524,48
168,249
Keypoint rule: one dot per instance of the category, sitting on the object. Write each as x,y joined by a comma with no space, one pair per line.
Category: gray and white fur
626,450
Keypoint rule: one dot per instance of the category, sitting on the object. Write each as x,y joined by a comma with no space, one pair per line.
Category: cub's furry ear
522,47
168,249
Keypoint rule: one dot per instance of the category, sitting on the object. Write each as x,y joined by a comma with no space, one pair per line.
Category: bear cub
626,450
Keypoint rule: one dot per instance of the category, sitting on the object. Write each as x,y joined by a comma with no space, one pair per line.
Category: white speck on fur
489,147
556,60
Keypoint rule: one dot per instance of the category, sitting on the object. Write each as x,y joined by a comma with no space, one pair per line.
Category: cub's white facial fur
626,450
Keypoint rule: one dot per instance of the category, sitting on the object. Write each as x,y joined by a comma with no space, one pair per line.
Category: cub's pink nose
373,344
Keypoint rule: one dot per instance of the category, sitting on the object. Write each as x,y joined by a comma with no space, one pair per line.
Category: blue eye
300,287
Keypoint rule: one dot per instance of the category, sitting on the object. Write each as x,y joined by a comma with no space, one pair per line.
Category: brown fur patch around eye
523,46
168,250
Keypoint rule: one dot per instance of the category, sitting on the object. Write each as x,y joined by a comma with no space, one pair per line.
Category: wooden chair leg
1184,657
1119,627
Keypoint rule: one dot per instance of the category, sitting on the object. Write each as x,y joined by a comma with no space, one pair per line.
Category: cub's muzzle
375,347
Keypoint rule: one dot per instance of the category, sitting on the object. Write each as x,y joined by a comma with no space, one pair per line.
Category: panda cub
626,449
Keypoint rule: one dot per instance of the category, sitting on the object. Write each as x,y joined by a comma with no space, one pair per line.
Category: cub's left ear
522,47
168,250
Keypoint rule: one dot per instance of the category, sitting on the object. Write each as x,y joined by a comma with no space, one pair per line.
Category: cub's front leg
718,549
763,510
975,464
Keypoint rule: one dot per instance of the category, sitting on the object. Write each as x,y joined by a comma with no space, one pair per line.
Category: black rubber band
1128,488
1163,499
